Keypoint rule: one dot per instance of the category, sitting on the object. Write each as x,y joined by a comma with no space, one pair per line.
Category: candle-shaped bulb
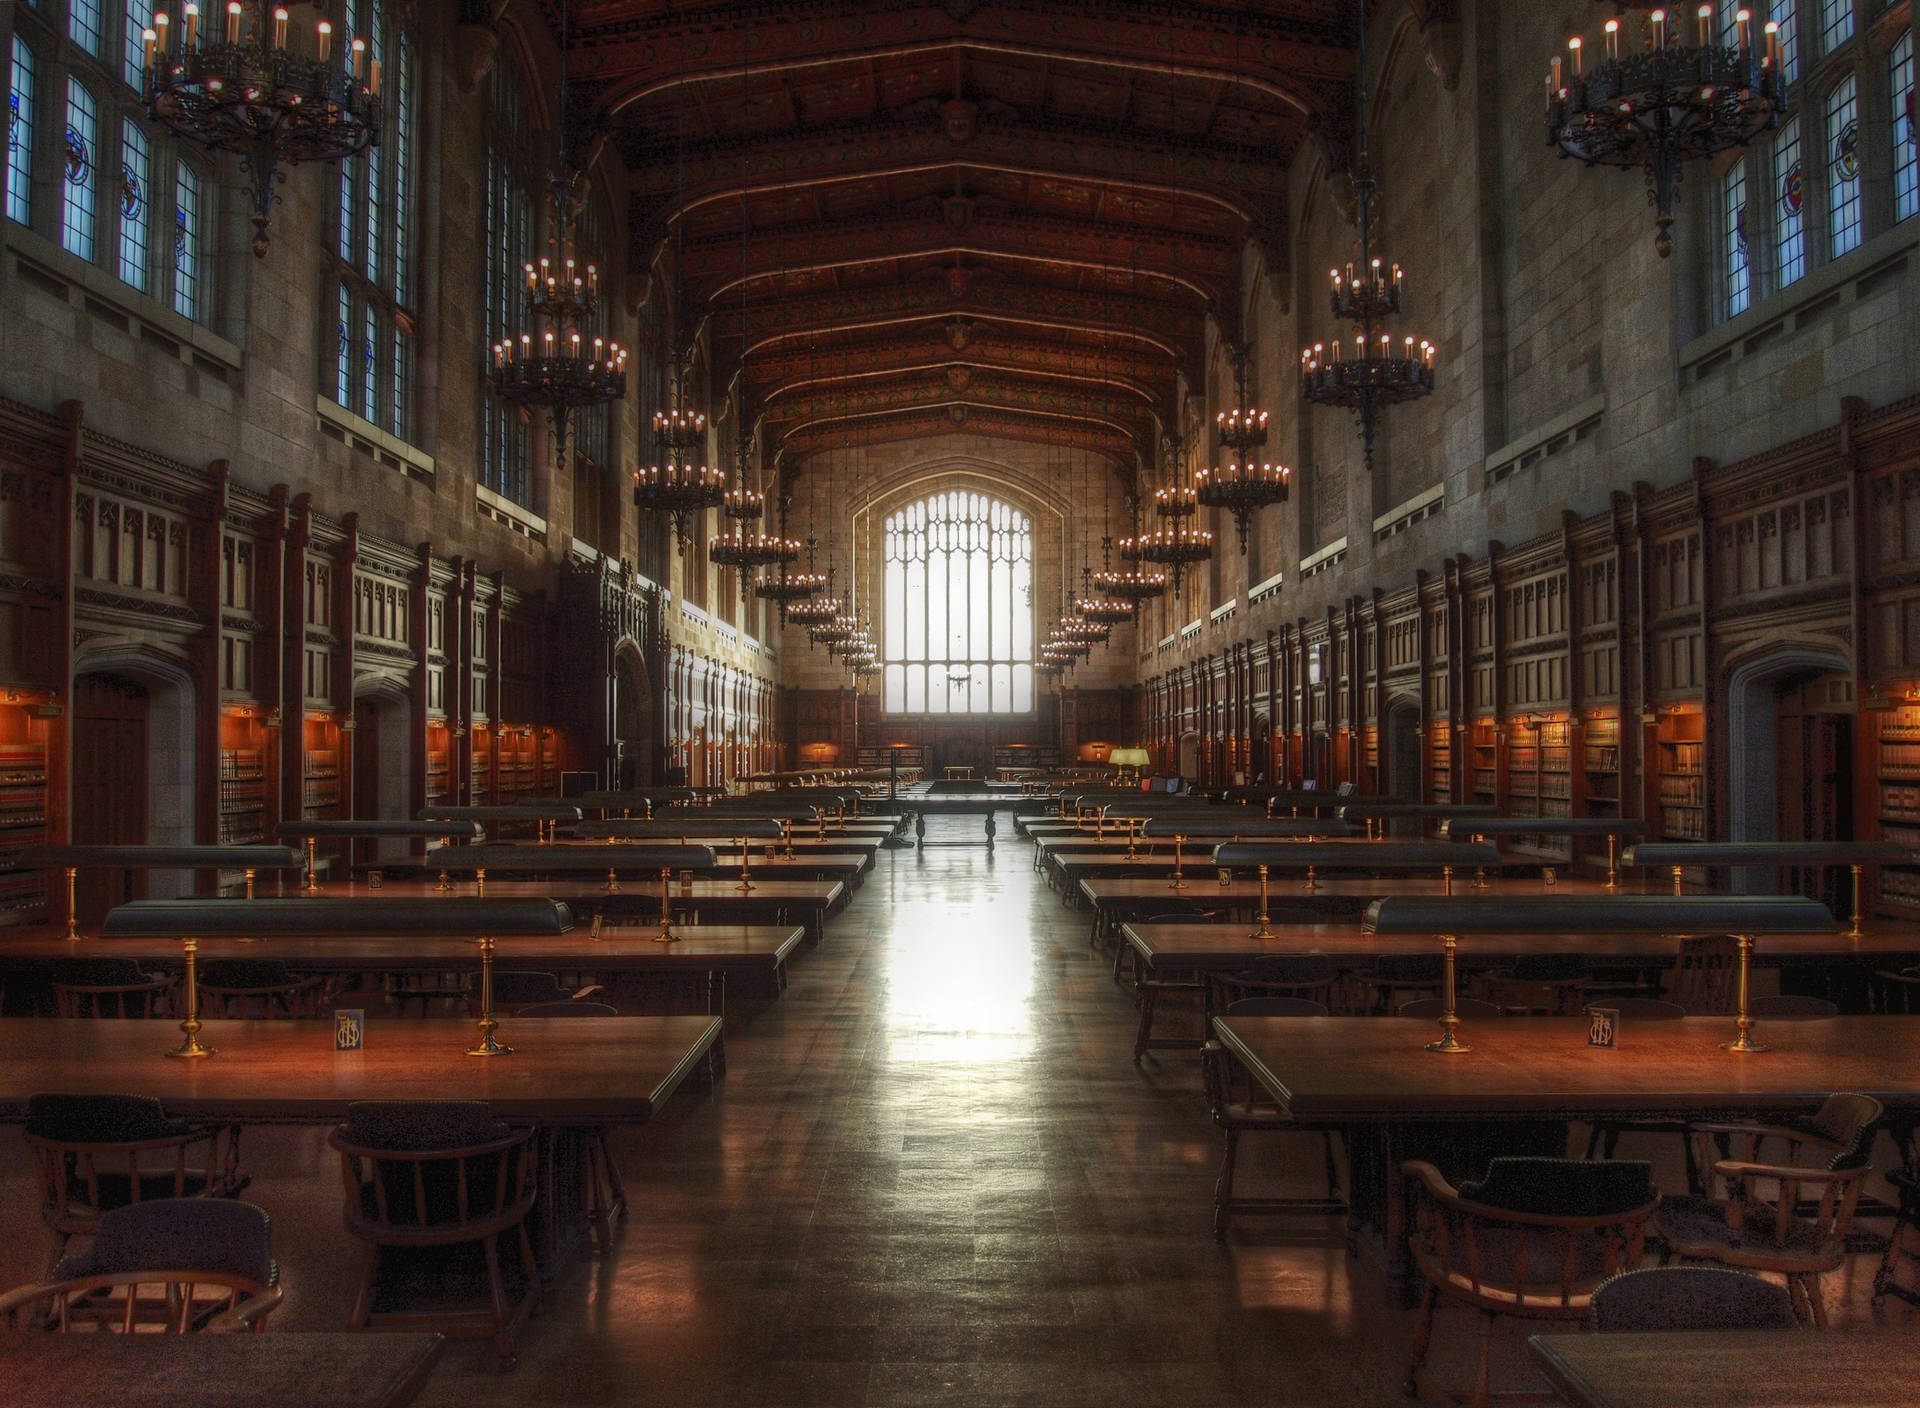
192,13
1553,80
1659,18
233,21
161,21
151,40
324,33
373,78
359,58
1613,38
1573,45
1705,15
280,27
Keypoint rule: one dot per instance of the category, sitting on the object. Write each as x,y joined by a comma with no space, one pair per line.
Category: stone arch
1752,752
173,746
633,718
1400,750
383,746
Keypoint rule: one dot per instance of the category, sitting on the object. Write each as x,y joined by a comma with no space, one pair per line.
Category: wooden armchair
107,987
256,987
1534,1240
1704,974
210,1261
1240,1107
1815,1170
1902,1250
428,1184
515,989
97,1153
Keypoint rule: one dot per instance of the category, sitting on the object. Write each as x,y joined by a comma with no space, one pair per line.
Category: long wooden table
1373,1075
756,953
566,1075
1117,899
1231,947
1733,1369
288,1369
769,901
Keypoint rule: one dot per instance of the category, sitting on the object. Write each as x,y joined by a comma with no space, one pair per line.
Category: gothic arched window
958,594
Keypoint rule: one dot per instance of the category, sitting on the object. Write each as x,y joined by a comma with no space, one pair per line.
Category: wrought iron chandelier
1131,584
678,484
561,369
565,368
1378,374
1246,484
788,587
244,89
738,548
1669,102
1177,543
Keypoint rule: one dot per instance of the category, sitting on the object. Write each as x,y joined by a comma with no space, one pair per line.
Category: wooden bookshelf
1440,761
1897,766
1483,763
481,774
23,813
244,757
1540,781
321,780
516,765
1600,767
1681,743
439,765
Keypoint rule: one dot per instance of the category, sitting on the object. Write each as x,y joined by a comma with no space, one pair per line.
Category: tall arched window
504,464
959,607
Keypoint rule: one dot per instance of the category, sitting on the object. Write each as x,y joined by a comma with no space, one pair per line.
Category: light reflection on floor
959,986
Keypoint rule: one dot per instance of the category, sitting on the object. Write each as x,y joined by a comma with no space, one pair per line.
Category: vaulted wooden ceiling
1007,215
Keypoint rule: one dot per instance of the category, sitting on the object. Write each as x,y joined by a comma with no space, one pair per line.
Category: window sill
343,425
1421,506
1327,558
1568,428
505,511
1801,302
58,273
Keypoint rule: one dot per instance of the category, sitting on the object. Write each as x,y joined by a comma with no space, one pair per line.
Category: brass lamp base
1449,1045
191,1048
488,1046
1743,1042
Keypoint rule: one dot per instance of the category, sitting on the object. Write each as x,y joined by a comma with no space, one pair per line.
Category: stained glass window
958,599
1906,142
80,185
20,131
136,201
1843,169
1733,207
1836,24
188,215
133,48
1790,197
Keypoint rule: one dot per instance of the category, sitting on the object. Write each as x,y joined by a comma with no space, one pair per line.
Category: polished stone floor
929,1175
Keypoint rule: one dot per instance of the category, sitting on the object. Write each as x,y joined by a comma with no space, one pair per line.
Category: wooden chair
256,987
606,1195
1734,1225
98,1153
210,1260
1791,1007
107,987
1240,1107
516,989
1676,1298
425,1179
1534,1240
1275,976
1537,984
1704,975
1467,1009
1901,1250
1392,979
1895,992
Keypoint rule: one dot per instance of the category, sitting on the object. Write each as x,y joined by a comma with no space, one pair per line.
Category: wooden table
1115,899
288,1369
1372,1075
1231,947
1733,1369
567,1075
811,901
757,953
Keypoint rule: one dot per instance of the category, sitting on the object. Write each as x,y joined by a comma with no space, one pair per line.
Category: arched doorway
1260,751
632,721
1190,746
133,773
1402,752
382,766
1320,761
1790,727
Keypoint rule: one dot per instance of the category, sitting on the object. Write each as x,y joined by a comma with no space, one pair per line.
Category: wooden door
1814,797
364,743
110,718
